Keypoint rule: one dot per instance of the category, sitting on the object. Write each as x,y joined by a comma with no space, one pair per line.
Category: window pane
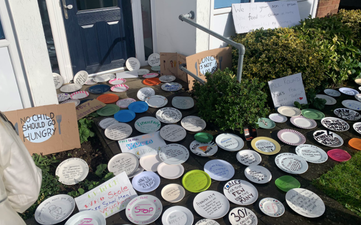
95,4
147,28
227,3
2,36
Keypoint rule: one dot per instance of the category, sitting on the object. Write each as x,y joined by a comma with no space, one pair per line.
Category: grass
343,183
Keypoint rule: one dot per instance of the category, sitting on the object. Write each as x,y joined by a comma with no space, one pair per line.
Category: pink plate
123,103
339,155
117,81
291,137
119,88
79,95
150,75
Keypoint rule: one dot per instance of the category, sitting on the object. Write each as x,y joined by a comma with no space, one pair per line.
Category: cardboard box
169,65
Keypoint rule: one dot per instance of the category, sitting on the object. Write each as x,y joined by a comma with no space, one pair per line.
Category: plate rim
278,146
302,137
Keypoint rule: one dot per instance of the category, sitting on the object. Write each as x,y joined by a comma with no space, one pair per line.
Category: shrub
352,19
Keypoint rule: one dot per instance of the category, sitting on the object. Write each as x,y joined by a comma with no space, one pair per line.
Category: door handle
66,8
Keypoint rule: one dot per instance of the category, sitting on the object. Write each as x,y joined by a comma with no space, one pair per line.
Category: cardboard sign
286,90
88,107
169,65
47,129
251,16
208,61
108,198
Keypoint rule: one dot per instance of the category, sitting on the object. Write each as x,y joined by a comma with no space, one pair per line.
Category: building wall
327,7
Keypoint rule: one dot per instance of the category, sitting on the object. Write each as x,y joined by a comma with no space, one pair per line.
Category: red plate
152,81
339,155
108,98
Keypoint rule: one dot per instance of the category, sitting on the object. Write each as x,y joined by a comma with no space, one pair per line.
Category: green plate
203,137
312,114
196,181
287,182
108,110
266,123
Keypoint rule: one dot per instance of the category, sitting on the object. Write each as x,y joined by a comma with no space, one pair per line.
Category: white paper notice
251,16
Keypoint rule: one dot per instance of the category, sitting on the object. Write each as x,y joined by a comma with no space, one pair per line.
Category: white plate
150,75
75,101
248,157
246,197
203,149
141,72
72,171
54,209
258,174
289,111
358,97
81,77
151,209
167,78
229,142
146,181
173,193
168,115
116,81
303,122
123,162
211,204
332,92
291,163
119,88
104,77
145,92
182,102
357,127
170,172
242,216
278,118
291,137
87,217
58,80
124,103
173,154
173,133
219,170
328,138
156,101
68,88
118,131
79,95
208,222
154,59
271,207
90,81
177,215
311,153
63,96
171,86
348,91
347,114
132,64
352,104
104,123
150,162
296,199
329,100
193,123
147,124
335,124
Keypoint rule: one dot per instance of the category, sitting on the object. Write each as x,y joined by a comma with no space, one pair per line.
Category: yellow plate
266,145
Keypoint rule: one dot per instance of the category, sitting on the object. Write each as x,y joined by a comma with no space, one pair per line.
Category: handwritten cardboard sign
47,129
169,65
286,90
251,16
88,107
108,198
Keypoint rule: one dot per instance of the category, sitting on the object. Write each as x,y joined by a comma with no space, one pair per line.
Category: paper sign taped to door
88,107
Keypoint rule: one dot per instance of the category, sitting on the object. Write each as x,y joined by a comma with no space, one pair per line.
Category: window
228,3
147,27
95,4
2,36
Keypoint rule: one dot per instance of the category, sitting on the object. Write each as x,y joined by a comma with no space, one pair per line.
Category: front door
99,32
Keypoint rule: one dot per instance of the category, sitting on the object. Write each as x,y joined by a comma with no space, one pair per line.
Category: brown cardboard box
169,65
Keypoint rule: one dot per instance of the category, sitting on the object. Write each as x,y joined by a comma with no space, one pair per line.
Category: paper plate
150,162
332,92
150,75
124,116
278,118
147,124
138,107
104,77
352,104
266,123
81,77
119,88
108,98
329,100
248,157
63,97
347,114
312,114
289,111
196,181
168,115
173,154
219,170
266,145
328,138
177,215
287,182
173,193
145,92
141,72
124,103
151,209
335,124
118,131
123,162
151,81
167,78
181,102
296,199
339,155
155,68
108,110
132,64
258,174
246,197
68,88
203,137
242,215
99,89
55,209
211,205
193,123
79,95
58,80
171,86
87,217
203,149
303,122
72,171
229,142
146,182
75,101
90,81
156,101
207,222
311,153
116,81
348,91
291,137
173,133
291,163
357,127
154,59
170,172
355,143
271,207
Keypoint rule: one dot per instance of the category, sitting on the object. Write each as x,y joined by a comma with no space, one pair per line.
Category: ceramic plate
99,89
173,133
72,171
181,102
75,101
104,123
124,116
258,174
355,143
208,222
79,95
203,149
271,207
55,209
352,104
63,96
173,154
335,124
104,77
332,92
150,75
291,137
151,81
311,153
289,111
303,122
339,155
141,72
150,162
108,110
203,137
152,209
248,157
90,81
156,101
313,114
247,196
167,78
173,193
296,199
154,59
80,77
229,142
266,123
172,86
358,81
145,92
58,80
116,81
138,107
287,182
124,103
211,205
108,98
147,124
118,131
278,118
170,172
87,217
328,138
146,182
291,163
348,91
242,215
357,127
132,64
119,88
123,162
68,88
168,115
196,181
347,114
219,170
358,97
193,123
329,100
177,215
265,145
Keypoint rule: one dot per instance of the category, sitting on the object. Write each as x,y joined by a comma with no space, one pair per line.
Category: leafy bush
352,19
84,129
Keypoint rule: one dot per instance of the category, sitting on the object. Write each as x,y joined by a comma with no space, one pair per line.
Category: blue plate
124,116
99,89
138,107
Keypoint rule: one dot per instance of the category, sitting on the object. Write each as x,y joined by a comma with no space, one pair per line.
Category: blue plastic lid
138,107
99,89
124,116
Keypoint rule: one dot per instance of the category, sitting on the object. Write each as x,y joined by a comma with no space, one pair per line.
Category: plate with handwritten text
271,207
229,142
305,202
147,124
258,174
291,163
248,157
144,209
246,197
211,205
242,215
311,153
173,133
203,149
87,217
219,170
72,171
173,154
266,145
177,215
335,124
146,181
123,162
328,138
347,114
